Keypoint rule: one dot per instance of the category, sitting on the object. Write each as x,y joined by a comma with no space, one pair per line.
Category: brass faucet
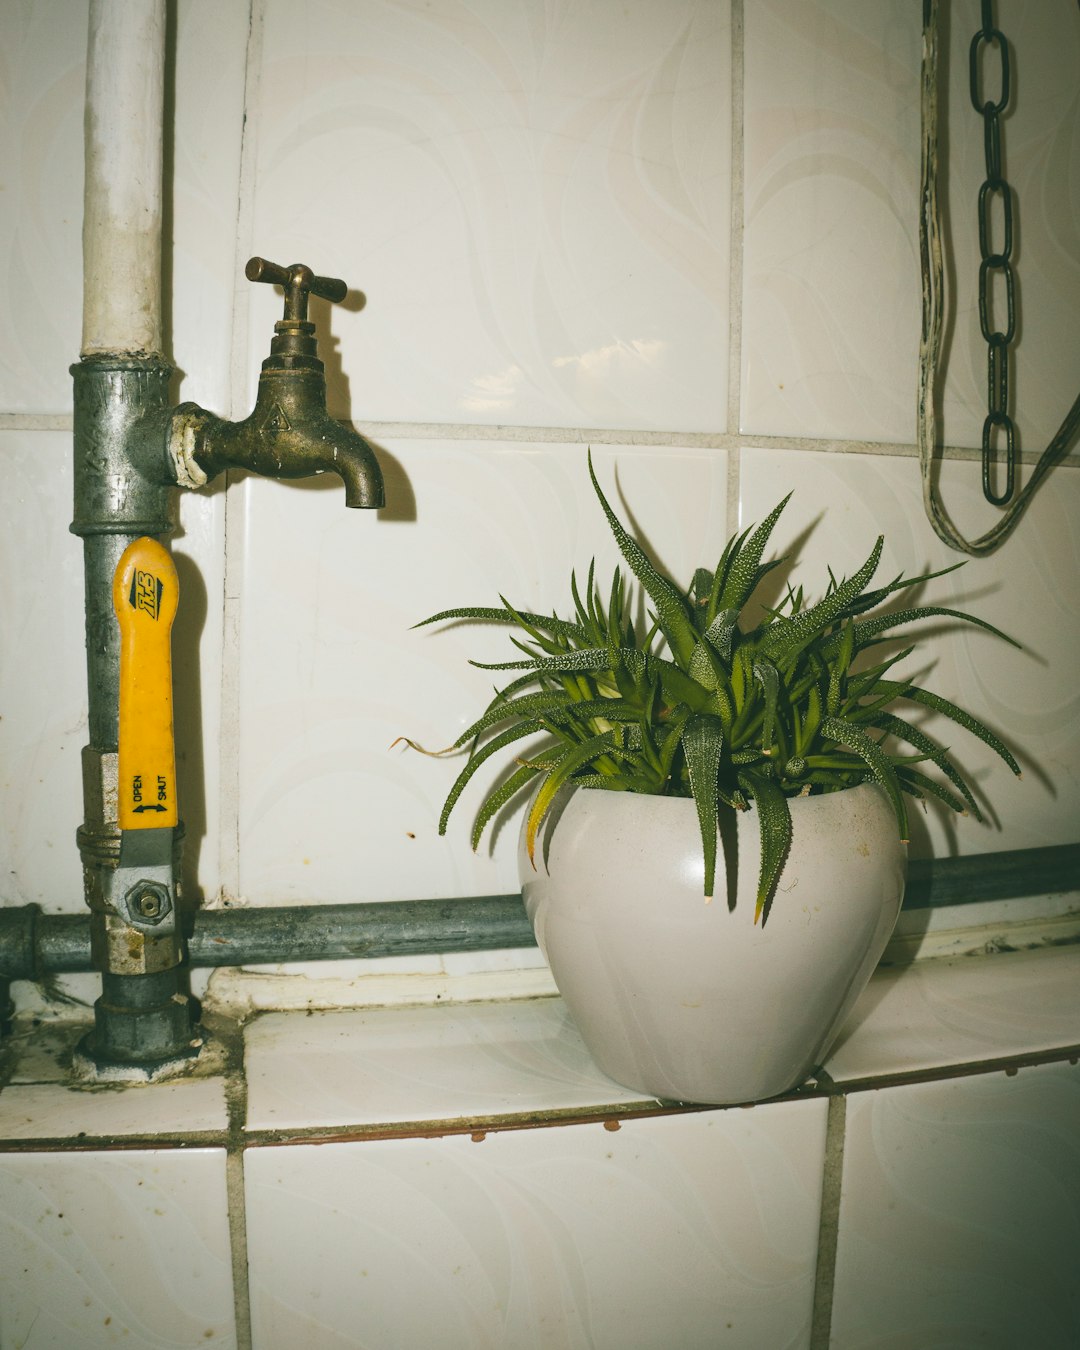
289,434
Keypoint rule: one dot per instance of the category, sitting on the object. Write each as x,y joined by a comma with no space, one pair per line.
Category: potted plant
700,754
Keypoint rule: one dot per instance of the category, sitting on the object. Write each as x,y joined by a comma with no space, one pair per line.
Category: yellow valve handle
145,594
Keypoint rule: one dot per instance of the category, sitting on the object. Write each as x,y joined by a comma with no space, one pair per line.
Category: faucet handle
299,282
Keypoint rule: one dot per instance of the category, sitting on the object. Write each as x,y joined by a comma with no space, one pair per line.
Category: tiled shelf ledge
355,1073
462,1175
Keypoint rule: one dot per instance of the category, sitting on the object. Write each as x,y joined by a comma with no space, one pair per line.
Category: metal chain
993,263
933,306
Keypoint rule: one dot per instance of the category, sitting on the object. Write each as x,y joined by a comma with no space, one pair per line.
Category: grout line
235,501
735,268
229,737
737,211
829,1227
734,493
110,1143
245,212
487,432
234,1189
1009,1065
692,440
14,421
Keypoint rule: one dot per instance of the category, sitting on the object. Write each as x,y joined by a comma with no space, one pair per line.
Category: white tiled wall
830,300
562,1237
537,205
534,199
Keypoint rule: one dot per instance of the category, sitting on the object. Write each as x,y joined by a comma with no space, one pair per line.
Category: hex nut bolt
149,902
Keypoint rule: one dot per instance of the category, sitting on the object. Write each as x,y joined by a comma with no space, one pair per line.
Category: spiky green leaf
570,760
895,726
743,570
855,738
672,611
478,757
958,715
870,628
774,820
583,658
507,615
920,784
787,637
499,797
702,742
720,633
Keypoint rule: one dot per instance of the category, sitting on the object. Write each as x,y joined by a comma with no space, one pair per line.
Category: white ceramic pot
689,1001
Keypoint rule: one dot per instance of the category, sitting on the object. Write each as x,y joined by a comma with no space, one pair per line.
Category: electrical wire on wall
993,262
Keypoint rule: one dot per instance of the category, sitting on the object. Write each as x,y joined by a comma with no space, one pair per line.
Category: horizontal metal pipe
230,937
1053,870
33,944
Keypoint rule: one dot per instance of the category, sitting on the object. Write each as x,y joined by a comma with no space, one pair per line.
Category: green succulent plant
696,705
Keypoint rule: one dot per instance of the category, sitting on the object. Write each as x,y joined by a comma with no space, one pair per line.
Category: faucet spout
278,440
351,457
289,434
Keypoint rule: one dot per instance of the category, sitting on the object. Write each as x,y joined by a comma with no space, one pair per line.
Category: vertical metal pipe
119,404
125,84
143,1020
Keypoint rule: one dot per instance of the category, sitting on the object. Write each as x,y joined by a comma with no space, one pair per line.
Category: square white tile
42,673
830,306
960,1214
959,1011
534,201
332,671
111,1248
42,73
841,503
831,298
203,267
689,1230
393,1065
52,1110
